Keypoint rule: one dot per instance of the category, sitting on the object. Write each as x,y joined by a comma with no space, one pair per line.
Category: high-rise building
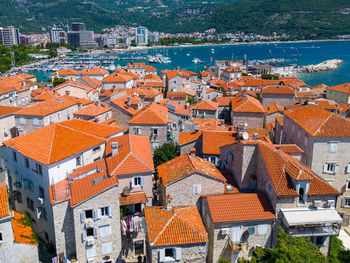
76,26
55,34
141,36
9,36
74,38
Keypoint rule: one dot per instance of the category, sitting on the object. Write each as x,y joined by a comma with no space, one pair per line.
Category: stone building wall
280,99
194,253
254,120
146,130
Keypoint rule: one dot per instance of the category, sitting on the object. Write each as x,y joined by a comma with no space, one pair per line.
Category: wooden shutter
162,255
325,168
178,253
109,211
99,214
95,232
83,235
94,214
82,217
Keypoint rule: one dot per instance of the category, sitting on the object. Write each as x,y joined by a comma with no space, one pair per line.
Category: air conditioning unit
225,231
318,203
331,203
40,200
90,242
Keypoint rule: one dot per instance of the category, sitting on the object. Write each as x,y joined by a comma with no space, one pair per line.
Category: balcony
314,231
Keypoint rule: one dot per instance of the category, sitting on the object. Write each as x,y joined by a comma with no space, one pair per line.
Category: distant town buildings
9,36
141,36
79,37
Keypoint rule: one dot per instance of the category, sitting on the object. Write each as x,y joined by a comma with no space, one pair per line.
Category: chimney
167,100
168,201
244,95
193,152
97,103
255,136
129,101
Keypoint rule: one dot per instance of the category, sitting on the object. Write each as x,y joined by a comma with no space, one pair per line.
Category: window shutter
142,181
343,202
99,214
95,232
325,168
162,255
132,182
110,211
348,169
82,217
84,235
236,235
178,253
337,169
94,214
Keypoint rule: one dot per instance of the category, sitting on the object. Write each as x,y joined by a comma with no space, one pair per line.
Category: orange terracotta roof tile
67,72
49,106
175,107
189,93
260,82
247,104
58,141
22,232
26,76
281,166
94,71
8,110
136,65
177,226
280,120
239,207
223,101
318,122
74,84
289,148
93,82
93,110
343,88
324,104
45,95
133,198
233,69
206,73
153,114
117,77
213,140
147,93
176,95
4,208
5,90
150,68
152,77
270,126
185,165
205,105
186,137
89,186
273,108
277,89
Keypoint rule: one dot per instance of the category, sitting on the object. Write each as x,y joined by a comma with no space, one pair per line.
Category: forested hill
299,18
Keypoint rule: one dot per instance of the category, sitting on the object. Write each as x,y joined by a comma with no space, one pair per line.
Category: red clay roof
175,107
153,114
22,232
318,122
58,141
206,105
177,226
186,137
239,207
117,77
213,140
185,165
278,89
273,108
122,103
4,209
93,110
6,110
343,88
247,104
176,95
89,186
133,198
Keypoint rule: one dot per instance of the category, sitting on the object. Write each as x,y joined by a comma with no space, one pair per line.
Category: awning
305,217
133,198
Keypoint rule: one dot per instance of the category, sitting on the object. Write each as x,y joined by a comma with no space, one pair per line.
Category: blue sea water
305,53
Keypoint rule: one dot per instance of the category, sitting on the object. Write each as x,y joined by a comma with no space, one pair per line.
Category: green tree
58,81
289,249
337,252
166,152
269,76
221,260
228,116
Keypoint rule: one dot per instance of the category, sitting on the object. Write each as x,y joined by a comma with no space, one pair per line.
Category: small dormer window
302,188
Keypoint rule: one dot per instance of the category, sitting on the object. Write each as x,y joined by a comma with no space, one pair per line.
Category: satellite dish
245,136
251,230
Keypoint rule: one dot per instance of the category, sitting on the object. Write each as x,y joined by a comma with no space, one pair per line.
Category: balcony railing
314,231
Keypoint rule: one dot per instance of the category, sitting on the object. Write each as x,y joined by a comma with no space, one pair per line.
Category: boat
197,61
212,50
188,54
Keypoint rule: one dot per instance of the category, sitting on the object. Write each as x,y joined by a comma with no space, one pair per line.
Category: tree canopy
164,153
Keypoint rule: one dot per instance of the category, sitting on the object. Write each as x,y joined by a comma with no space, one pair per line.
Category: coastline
141,48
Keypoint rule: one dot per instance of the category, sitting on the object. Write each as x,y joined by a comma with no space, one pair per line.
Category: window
58,116
42,213
96,149
88,213
197,189
106,248
90,232
137,131
173,125
346,202
39,168
333,147
90,251
170,253
330,168
137,181
78,161
348,168
22,120
41,192
35,121
26,161
155,131
262,229
14,154
105,230
30,204
1,239
138,247
104,211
